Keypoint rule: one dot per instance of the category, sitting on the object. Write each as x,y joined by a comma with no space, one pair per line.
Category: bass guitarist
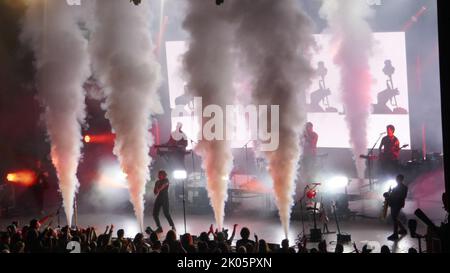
395,199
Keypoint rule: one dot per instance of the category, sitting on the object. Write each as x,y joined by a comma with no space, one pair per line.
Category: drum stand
341,237
315,233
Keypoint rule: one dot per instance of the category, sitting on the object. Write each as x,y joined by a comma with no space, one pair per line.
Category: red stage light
11,177
414,18
311,194
24,177
100,138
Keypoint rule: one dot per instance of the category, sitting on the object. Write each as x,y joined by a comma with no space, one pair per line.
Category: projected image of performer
389,152
389,94
40,186
396,201
161,191
309,144
185,99
319,102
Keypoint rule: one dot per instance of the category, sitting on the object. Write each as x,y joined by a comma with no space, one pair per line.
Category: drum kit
312,206
318,208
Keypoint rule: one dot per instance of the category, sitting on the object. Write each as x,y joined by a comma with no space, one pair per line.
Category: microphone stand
184,208
369,161
184,180
301,215
192,153
301,210
246,158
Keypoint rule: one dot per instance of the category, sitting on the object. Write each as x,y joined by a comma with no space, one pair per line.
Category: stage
258,131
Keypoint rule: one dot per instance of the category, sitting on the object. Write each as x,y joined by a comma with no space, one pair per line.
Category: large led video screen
325,108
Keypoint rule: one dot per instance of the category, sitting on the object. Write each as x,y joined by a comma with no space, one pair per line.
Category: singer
161,191
309,144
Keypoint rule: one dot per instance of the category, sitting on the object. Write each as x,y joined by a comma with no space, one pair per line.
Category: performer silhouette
161,191
396,201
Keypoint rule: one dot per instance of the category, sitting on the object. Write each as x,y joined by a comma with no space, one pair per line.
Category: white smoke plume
124,63
62,66
275,38
351,33
208,67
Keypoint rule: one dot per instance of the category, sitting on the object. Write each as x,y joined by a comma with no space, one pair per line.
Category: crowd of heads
39,238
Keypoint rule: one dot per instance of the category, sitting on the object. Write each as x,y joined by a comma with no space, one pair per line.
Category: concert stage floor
363,231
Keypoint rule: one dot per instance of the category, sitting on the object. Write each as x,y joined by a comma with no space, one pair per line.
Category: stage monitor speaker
344,238
198,197
316,235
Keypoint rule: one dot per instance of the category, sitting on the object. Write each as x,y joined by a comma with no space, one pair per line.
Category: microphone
192,141
383,133
246,144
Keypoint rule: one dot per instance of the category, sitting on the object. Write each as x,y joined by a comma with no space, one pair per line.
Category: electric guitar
161,188
384,155
386,204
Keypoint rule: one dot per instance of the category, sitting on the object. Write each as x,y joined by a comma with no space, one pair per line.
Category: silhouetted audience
202,247
284,246
412,250
188,243
339,248
385,250
35,238
244,241
263,247
323,247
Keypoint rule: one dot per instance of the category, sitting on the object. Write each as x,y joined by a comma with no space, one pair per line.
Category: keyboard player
177,147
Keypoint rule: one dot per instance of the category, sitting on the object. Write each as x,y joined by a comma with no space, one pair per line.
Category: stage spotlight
390,184
179,174
106,138
111,177
131,228
338,182
24,177
11,177
109,191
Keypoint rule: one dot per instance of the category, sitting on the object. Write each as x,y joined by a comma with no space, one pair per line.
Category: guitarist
396,201
389,152
161,191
